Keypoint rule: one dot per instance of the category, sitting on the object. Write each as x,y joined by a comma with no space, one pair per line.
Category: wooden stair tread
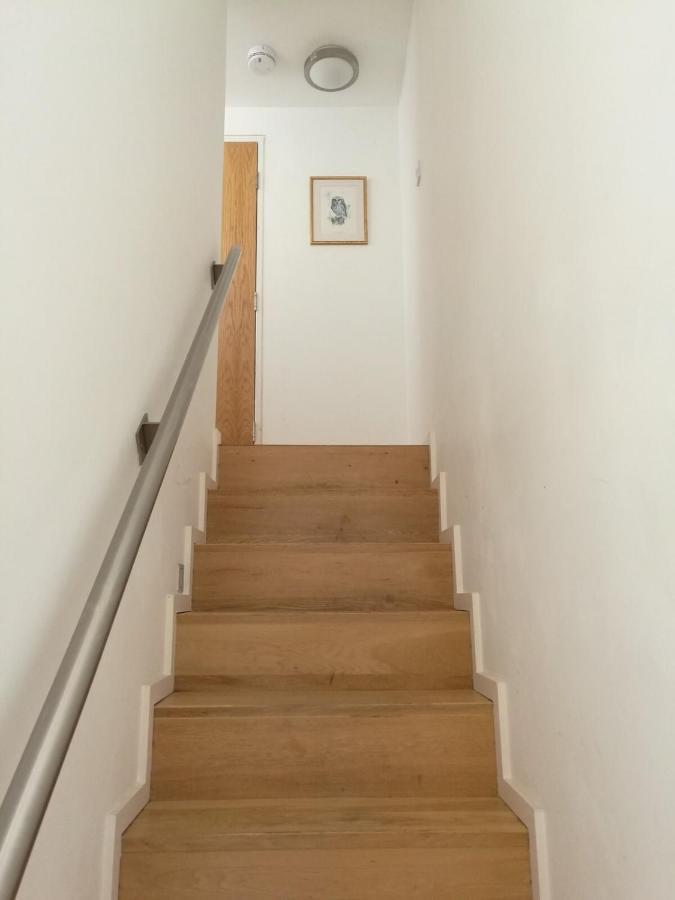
247,744
325,649
309,703
378,515
175,825
319,616
367,494
330,848
426,873
323,547
314,576
327,466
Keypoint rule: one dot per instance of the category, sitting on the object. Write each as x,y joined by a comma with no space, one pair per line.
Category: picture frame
338,209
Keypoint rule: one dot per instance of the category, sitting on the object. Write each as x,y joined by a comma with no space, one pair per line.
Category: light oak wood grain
189,825
265,703
483,849
322,576
399,515
447,873
323,743
235,394
325,467
317,745
421,650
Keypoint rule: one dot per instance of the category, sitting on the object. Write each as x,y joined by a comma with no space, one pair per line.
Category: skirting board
130,805
495,689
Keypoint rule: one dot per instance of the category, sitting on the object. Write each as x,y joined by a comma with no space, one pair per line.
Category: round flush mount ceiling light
331,68
262,59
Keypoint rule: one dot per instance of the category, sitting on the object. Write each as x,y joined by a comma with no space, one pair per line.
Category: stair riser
442,874
311,578
426,754
264,467
323,517
414,650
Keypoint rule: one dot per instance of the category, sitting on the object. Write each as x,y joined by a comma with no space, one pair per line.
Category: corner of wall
495,689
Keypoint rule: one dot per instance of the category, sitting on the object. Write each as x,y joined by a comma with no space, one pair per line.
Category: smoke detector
262,59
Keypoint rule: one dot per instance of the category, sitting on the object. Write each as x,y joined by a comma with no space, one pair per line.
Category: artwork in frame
339,209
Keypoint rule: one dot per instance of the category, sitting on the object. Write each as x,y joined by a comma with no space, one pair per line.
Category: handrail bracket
145,434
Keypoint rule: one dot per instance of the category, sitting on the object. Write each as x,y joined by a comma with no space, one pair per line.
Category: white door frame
258,401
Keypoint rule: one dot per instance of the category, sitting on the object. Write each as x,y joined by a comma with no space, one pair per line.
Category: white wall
549,189
110,182
333,344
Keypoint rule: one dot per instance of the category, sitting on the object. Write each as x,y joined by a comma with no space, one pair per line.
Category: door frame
258,399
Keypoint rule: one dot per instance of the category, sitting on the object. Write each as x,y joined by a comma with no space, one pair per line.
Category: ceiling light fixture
331,68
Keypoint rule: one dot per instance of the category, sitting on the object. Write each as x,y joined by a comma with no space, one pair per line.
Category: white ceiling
375,30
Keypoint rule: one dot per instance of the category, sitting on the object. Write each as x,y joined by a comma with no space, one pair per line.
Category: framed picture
339,209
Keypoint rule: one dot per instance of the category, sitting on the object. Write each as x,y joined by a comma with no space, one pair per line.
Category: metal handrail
31,787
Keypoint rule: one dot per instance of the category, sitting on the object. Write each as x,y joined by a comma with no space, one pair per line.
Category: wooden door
235,406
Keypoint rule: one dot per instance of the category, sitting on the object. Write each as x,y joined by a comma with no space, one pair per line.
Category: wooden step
238,744
322,576
324,741
326,848
324,467
337,650
400,515
462,873
269,824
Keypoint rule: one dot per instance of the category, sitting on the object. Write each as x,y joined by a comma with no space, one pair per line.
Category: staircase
324,741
